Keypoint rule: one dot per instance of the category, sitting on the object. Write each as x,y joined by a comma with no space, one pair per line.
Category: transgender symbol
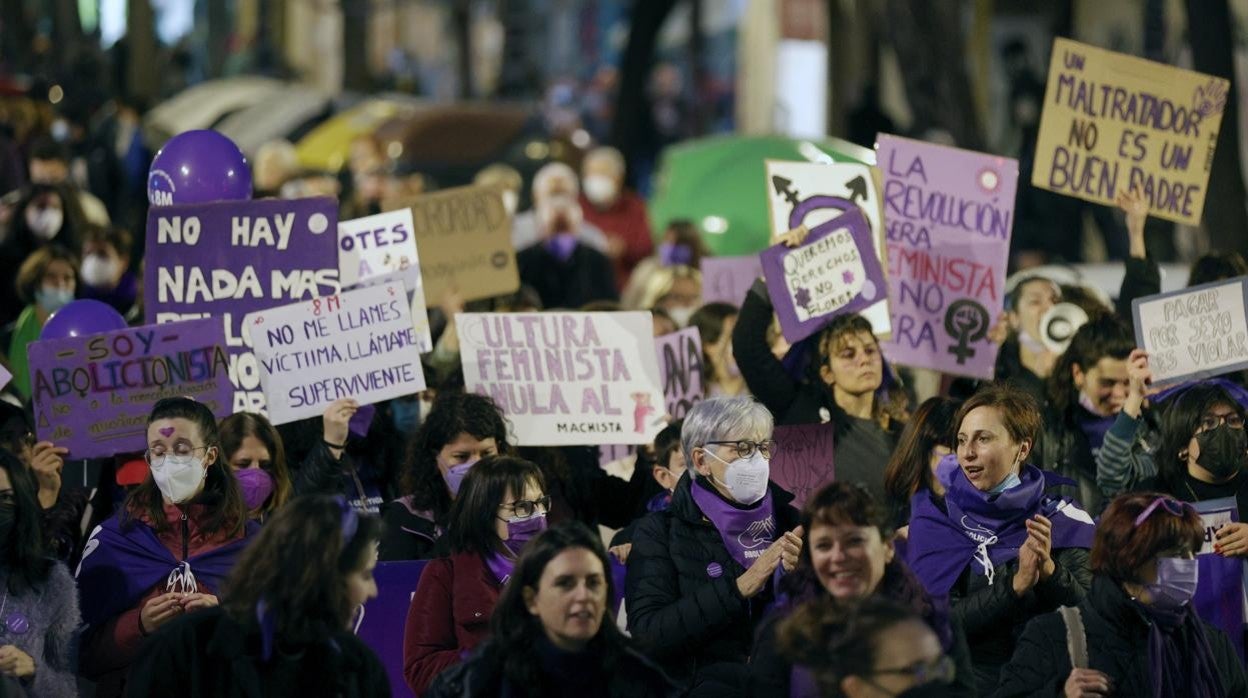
966,321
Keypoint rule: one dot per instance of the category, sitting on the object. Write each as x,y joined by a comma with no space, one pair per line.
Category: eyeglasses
745,448
1210,422
940,670
524,508
156,456
1171,505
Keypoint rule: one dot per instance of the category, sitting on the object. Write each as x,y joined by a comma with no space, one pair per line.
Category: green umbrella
720,183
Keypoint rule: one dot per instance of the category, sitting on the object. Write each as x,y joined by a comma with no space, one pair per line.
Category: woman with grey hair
701,573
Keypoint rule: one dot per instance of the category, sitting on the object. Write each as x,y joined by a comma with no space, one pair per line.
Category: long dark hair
25,562
226,512
1179,422
298,565
1103,336
452,414
515,630
845,504
909,470
239,426
470,527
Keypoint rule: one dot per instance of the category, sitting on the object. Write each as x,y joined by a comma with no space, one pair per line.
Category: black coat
586,276
207,654
1117,641
1064,449
482,675
680,613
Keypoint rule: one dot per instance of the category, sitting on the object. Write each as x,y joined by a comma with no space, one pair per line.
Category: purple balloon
197,167
81,318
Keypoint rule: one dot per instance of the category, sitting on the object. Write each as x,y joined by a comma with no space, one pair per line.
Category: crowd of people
1036,534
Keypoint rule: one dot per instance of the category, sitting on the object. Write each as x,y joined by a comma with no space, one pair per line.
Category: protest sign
230,258
728,279
680,367
803,459
464,237
814,194
565,379
835,271
1195,333
381,621
1113,122
1221,594
92,394
5,376
409,279
948,214
376,245
359,344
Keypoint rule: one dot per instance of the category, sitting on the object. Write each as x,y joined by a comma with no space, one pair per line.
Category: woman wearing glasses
1139,634
502,504
867,650
700,574
849,558
1002,548
168,550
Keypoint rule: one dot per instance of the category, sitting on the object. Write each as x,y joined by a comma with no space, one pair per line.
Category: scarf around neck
746,531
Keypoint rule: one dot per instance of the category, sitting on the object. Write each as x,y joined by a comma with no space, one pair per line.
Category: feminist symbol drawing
966,321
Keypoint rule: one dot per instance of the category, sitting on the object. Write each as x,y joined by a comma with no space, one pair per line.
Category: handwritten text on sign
93,394
1194,333
1113,122
803,460
948,215
231,258
680,363
359,344
566,379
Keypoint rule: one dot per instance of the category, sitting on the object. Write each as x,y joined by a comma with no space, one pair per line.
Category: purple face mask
256,484
1176,583
561,245
521,531
456,473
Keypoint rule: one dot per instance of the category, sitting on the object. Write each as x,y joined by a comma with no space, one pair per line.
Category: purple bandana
501,566
561,245
746,531
985,530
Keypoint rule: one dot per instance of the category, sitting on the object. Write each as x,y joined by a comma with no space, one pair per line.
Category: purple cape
941,545
121,564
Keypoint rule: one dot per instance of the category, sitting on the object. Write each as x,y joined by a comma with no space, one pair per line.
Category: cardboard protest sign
680,367
381,621
566,379
408,279
230,258
1194,333
814,194
1112,122
1221,594
948,214
359,344
464,237
728,279
835,271
803,459
93,394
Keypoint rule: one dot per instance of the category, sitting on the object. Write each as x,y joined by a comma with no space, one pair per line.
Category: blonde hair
660,282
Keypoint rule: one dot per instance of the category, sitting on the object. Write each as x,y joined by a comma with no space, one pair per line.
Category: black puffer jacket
1064,449
1117,640
684,608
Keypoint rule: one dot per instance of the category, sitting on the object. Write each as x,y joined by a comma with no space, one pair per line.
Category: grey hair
550,172
721,419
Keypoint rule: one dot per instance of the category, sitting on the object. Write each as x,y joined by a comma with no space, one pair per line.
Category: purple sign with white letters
948,214
835,271
231,258
93,394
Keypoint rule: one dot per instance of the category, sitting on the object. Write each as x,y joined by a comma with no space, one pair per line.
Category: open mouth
973,471
585,616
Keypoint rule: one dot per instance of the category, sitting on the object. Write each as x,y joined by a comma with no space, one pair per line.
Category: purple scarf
561,246
1180,660
985,530
500,566
746,531
119,565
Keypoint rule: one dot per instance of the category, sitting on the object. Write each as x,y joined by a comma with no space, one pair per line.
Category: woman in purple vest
165,554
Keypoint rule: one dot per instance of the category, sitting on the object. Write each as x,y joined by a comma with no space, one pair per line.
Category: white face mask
681,315
600,189
45,223
98,270
179,477
746,478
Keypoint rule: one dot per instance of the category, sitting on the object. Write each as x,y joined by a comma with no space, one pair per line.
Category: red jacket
448,618
108,652
625,220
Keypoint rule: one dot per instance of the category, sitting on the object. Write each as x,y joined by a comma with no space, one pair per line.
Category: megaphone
1059,324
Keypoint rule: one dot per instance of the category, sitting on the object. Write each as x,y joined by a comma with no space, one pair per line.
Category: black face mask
1222,451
